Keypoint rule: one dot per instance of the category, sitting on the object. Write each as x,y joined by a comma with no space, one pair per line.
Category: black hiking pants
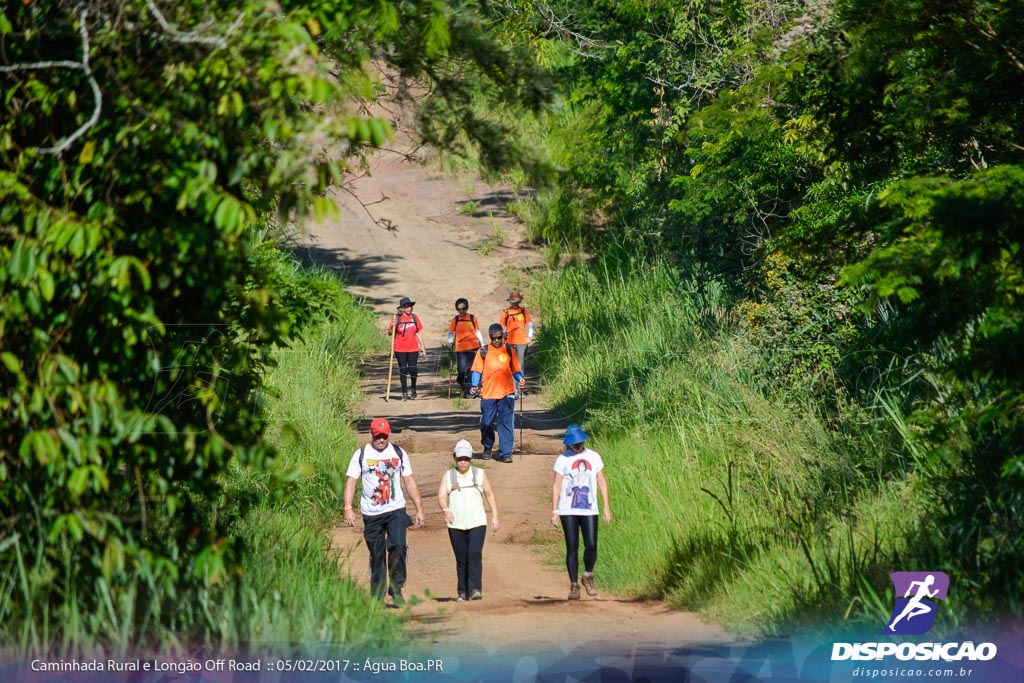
407,368
468,546
464,361
385,536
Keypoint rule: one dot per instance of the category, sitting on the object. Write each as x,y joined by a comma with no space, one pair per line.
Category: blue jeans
498,414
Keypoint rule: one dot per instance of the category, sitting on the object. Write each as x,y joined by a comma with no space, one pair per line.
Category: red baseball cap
380,426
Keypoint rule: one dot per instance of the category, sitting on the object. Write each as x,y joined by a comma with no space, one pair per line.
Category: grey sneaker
461,598
574,591
397,598
588,582
476,595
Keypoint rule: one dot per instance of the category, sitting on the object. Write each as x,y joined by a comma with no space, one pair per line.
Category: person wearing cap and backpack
574,505
465,338
405,326
461,496
494,376
383,469
518,326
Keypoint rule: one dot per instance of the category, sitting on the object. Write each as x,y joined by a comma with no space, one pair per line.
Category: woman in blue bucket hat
574,506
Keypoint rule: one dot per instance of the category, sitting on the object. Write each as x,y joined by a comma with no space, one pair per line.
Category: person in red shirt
406,326
494,376
518,326
465,338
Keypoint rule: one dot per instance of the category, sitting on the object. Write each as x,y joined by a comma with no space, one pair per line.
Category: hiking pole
391,362
522,397
451,371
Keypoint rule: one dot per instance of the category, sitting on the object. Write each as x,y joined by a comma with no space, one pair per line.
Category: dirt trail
435,257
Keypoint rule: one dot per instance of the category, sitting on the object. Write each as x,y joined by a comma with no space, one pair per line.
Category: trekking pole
451,371
522,397
391,362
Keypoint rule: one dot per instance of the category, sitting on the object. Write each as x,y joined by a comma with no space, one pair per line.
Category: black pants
386,540
407,367
468,545
464,361
572,525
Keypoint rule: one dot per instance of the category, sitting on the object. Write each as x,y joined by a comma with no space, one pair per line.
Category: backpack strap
401,457
453,478
472,319
399,324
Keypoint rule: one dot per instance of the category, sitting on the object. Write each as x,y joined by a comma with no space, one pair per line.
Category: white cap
463,449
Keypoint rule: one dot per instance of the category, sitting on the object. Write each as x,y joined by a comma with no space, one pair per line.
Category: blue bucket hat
574,434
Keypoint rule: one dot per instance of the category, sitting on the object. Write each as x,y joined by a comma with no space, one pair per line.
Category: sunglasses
463,308
497,338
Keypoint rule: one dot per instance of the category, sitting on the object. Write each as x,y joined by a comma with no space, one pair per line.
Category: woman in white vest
461,496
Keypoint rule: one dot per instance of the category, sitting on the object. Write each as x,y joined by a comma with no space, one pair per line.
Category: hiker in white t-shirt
461,496
574,505
383,469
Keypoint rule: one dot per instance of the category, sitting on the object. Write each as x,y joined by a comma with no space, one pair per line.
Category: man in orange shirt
497,367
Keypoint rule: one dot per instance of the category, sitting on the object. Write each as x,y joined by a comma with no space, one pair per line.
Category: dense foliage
142,145
852,172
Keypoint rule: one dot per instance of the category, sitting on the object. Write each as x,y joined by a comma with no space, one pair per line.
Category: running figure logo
914,613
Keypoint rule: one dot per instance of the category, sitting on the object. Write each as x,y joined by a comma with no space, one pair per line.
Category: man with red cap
383,468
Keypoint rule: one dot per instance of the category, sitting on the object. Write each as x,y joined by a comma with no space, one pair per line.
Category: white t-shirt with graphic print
381,474
579,482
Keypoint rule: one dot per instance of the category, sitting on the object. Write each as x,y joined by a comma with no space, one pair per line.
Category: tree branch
83,31
189,37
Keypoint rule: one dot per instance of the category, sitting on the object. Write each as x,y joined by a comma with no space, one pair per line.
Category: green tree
140,145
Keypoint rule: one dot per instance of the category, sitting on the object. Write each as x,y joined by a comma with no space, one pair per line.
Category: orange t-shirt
496,372
465,333
515,320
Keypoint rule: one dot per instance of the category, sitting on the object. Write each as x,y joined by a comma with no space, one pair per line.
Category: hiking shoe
505,458
461,598
486,455
405,395
588,582
412,394
398,599
574,591
476,595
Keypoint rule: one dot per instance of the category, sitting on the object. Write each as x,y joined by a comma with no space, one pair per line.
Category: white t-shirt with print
382,474
579,482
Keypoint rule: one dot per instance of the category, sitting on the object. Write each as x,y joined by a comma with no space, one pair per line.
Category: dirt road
438,254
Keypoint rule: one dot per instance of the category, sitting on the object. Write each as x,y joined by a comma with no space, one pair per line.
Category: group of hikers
495,378
383,469
492,372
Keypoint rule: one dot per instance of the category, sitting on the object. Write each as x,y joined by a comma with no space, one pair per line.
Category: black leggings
407,367
571,527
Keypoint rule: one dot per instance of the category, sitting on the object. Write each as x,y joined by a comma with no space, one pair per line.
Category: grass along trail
434,257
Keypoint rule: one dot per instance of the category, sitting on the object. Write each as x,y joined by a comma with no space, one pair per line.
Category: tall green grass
728,499
296,591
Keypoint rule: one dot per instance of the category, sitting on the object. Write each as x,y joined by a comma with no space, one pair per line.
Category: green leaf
10,361
46,286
